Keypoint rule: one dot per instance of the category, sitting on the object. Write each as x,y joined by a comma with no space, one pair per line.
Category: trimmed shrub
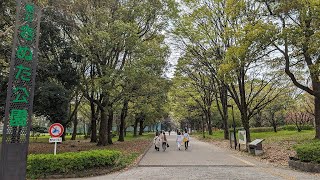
294,127
264,129
259,129
309,152
44,164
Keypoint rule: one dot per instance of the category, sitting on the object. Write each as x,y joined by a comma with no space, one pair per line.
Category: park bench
255,147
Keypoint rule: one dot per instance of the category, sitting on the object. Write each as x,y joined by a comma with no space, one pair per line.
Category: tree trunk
135,127
203,134
109,127
243,106
93,127
317,116
274,123
75,124
275,128
103,129
258,119
122,120
245,123
64,132
224,102
209,121
141,126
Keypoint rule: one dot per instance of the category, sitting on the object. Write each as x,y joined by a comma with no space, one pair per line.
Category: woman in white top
157,141
179,140
186,139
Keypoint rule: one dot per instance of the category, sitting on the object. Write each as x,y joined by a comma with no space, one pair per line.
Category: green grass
130,137
283,135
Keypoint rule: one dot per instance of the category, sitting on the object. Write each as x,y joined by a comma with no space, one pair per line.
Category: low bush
46,164
308,152
264,129
259,129
294,127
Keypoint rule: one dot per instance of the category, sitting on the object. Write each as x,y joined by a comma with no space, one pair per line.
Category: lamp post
234,127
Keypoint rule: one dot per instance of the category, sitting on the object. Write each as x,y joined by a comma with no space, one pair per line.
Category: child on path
179,140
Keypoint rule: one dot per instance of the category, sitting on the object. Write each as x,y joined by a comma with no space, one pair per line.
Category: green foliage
272,137
294,127
309,152
263,129
51,100
46,164
39,129
127,159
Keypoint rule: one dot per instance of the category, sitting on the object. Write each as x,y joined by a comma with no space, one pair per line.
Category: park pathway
203,161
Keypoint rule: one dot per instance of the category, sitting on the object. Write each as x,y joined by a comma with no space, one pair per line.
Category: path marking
244,161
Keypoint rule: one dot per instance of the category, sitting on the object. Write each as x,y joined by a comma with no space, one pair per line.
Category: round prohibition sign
56,130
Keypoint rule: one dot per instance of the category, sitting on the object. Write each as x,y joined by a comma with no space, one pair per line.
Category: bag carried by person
185,139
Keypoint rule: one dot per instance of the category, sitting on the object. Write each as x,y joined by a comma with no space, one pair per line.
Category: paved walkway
203,161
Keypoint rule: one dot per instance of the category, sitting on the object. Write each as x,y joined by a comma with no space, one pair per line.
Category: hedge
45,164
259,129
270,129
294,127
309,152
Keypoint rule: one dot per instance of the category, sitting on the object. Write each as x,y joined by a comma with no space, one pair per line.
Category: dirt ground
136,145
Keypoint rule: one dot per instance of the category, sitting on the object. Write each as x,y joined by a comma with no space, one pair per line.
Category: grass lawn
283,135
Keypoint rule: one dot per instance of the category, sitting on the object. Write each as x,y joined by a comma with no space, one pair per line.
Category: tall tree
110,34
297,41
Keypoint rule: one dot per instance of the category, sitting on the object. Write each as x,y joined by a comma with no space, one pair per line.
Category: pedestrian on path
156,142
186,139
179,140
164,141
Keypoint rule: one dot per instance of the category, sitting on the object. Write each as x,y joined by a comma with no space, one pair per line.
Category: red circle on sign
56,130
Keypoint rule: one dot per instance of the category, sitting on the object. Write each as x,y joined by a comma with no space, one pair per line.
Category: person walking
157,141
164,141
169,131
186,139
179,140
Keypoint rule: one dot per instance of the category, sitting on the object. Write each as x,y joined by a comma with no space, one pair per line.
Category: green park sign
19,102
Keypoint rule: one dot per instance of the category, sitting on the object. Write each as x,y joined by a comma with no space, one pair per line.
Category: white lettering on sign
52,140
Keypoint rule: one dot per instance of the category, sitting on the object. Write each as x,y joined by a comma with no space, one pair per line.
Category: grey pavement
203,161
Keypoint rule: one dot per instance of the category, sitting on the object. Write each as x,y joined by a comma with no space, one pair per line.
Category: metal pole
234,129
55,148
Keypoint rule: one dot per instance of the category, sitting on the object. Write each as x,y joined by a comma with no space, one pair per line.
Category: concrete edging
304,166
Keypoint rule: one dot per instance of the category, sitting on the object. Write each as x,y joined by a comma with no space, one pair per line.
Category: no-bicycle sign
56,130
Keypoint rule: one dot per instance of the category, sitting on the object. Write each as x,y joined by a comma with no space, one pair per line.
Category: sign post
242,138
19,102
55,131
